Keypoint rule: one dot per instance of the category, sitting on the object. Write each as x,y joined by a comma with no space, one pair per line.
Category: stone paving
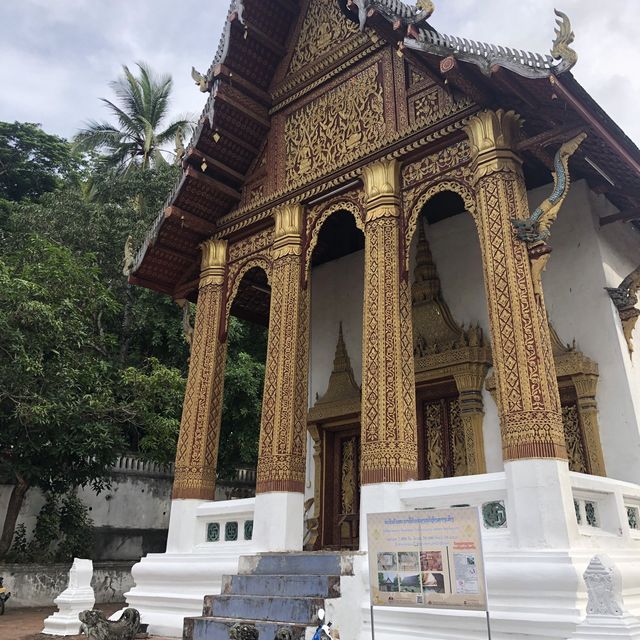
26,624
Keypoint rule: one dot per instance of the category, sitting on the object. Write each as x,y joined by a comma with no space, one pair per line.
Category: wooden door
441,433
341,488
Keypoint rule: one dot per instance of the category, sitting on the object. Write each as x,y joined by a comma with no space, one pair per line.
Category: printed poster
427,558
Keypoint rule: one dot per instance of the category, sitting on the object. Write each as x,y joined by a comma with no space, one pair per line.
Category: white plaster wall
132,501
585,260
337,292
620,249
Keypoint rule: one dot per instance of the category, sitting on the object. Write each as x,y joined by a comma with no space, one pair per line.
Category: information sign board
427,558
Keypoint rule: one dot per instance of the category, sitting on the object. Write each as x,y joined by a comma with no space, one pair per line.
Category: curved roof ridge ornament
561,49
423,37
395,10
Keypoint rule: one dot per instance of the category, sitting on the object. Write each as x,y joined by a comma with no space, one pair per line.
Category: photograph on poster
433,582
408,561
387,561
388,581
410,583
431,560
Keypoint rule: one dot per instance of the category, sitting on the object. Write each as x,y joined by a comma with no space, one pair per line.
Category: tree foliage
32,162
138,138
91,367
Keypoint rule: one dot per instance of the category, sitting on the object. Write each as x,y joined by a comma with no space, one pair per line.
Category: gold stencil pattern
389,431
528,397
323,28
335,126
197,451
573,437
281,458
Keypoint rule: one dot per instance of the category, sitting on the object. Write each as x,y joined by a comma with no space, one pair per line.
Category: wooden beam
596,125
622,216
176,253
455,76
192,222
223,72
228,191
556,134
250,113
225,133
216,164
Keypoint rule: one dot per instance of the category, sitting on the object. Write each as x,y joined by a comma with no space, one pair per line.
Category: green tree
137,140
32,162
56,400
151,405
242,406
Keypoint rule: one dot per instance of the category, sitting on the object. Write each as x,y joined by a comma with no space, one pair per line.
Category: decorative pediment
438,341
342,397
324,27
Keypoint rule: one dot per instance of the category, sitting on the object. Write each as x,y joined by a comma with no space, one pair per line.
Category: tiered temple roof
232,132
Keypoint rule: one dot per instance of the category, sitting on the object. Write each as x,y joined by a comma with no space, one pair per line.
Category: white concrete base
625,627
77,597
279,521
171,586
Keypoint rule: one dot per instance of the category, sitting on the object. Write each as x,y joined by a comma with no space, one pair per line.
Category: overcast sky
57,56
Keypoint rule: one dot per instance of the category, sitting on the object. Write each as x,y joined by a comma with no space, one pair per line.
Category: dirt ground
26,624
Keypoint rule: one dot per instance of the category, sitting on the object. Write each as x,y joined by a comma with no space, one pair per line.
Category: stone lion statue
242,631
284,633
96,627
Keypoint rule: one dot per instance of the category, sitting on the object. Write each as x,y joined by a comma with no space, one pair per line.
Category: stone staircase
270,592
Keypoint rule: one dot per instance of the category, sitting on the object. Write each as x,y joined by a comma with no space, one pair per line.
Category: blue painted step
268,608
308,586
301,564
218,629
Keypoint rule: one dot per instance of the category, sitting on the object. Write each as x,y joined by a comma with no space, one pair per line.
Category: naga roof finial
561,49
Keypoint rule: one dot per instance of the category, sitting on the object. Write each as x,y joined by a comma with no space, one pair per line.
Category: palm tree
136,141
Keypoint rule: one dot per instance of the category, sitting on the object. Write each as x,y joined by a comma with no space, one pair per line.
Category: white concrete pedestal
77,597
279,521
606,615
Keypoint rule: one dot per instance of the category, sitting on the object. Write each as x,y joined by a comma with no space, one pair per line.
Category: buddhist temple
442,238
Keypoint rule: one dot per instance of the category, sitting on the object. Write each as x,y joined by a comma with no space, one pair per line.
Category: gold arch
237,271
464,191
351,206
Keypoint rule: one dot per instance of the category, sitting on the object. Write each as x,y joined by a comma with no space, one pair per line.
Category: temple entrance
336,273
341,487
441,432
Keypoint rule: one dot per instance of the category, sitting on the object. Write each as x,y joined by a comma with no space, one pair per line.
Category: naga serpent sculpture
537,227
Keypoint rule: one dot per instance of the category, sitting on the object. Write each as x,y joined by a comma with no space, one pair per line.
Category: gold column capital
382,188
214,261
493,136
289,225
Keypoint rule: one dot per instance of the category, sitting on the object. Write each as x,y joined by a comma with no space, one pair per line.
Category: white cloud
58,56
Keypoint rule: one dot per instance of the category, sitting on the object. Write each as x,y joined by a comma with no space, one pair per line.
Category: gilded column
528,398
389,431
586,386
281,459
197,452
472,414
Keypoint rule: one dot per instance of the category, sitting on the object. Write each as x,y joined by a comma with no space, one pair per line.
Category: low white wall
130,518
34,585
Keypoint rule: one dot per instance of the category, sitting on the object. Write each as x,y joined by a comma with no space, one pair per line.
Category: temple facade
442,239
